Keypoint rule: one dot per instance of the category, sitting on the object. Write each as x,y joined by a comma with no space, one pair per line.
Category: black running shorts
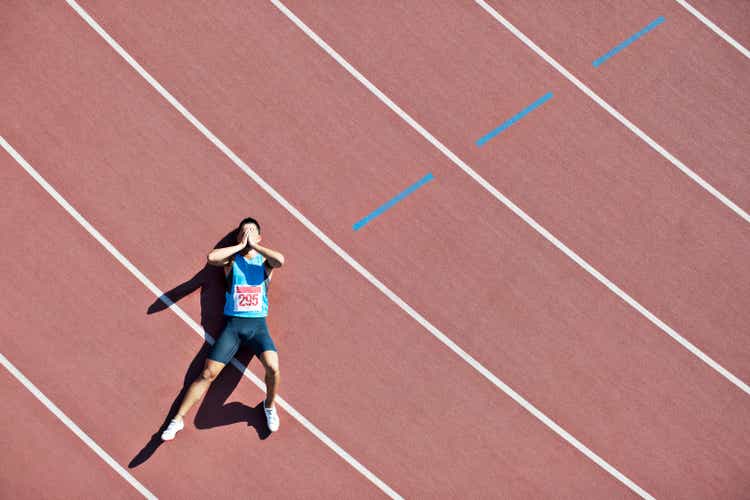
252,332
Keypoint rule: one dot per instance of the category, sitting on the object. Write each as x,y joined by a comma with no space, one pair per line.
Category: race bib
247,298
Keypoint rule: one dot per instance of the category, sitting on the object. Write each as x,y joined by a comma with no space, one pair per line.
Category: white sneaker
172,428
272,417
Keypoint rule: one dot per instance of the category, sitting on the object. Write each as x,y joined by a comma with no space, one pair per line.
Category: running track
106,351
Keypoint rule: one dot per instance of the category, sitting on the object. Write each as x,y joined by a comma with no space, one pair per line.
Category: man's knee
272,370
209,375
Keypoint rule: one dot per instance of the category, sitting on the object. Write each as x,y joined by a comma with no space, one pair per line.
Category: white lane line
512,206
190,322
612,111
356,265
52,407
731,41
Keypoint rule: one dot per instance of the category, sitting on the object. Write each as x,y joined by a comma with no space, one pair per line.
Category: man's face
252,229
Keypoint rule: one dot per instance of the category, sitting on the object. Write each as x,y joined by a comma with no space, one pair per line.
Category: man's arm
222,256
274,259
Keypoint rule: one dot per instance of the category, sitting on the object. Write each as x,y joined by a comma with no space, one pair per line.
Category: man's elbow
279,261
212,262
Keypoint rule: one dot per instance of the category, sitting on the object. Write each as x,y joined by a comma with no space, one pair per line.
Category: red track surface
680,83
354,364
729,15
43,459
575,169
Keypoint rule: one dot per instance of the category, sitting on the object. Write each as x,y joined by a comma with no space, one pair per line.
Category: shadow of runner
212,411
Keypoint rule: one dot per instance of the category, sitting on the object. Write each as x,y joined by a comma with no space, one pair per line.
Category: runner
248,268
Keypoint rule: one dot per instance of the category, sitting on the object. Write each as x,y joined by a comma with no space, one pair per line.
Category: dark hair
248,220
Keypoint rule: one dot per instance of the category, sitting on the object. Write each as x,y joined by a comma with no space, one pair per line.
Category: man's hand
222,256
251,239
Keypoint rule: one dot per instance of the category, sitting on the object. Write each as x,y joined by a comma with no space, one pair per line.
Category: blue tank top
247,293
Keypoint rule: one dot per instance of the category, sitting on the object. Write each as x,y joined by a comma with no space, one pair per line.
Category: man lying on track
248,268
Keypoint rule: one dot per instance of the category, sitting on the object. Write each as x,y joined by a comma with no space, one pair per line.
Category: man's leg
223,351
195,392
270,362
199,386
